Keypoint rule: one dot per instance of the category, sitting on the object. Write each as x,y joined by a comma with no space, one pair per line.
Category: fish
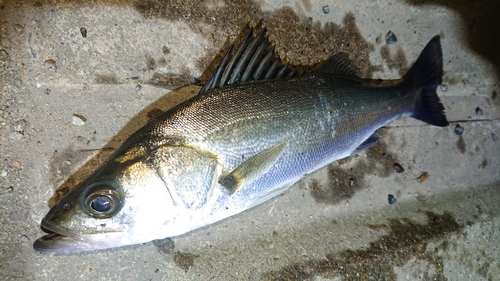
256,127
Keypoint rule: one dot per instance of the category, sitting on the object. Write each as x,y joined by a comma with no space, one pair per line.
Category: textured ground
68,100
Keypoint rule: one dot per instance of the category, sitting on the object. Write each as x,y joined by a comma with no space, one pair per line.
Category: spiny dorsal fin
255,59
340,64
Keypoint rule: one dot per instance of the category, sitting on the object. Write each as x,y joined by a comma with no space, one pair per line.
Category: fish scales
327,115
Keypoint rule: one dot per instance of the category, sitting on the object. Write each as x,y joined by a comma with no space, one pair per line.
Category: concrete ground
68,100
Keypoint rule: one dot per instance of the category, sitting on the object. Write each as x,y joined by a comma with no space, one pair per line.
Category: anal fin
251,168
371,140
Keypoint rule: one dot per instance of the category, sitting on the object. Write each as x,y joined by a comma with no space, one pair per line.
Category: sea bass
256,127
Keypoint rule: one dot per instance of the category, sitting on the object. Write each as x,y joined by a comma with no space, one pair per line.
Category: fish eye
102,200
101,204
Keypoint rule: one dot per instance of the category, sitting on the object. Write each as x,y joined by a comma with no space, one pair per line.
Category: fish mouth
62,241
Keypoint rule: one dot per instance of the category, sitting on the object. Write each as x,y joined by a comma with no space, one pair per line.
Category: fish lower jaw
62,241
56,243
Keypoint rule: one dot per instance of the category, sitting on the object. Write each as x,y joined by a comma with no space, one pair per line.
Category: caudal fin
425,76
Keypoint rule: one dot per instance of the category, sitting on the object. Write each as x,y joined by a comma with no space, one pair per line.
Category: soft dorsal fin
340,64
255,59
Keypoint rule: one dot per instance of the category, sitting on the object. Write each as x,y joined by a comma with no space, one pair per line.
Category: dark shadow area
405,240
482,24
300,41
343,182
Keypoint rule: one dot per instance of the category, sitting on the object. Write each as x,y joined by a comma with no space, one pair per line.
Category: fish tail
424,77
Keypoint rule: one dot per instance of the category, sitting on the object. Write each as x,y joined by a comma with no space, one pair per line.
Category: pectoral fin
251,168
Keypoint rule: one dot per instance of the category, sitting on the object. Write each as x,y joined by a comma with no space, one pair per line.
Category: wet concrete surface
68,101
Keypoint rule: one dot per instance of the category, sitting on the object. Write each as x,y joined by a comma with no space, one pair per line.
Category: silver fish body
233,147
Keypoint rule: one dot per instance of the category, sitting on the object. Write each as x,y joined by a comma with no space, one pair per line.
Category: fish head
122,203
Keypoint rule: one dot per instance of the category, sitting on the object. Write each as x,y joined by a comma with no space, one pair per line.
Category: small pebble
25,239
326,9
20,126
444,87
50,65
3,54
68,162
16,164
47,91
16,136
459,130
83,31
391,199
3,173
17,83
157,270
423,177
398,168
494,137
138,87
391,38
479,111
79,120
